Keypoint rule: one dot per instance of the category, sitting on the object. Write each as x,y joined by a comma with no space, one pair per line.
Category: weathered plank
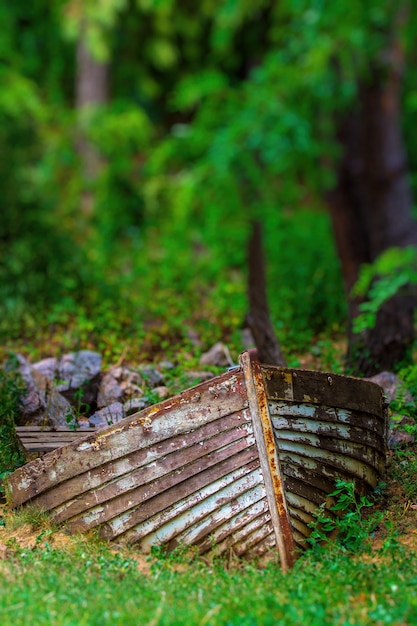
137,487
41,439
146,501
137,524
195,407
178,449
331,390
268,456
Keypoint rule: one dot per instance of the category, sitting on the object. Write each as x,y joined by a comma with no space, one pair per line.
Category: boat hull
238,463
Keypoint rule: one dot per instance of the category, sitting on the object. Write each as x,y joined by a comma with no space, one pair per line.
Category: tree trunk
371,211
258,318
91,90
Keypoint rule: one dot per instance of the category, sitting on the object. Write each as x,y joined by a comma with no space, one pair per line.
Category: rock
166,365
78,368
109,390
42,404
108,415
133,405
48,367
195,377
398,438
119,384
76,375
390,383
152,376
162,392
392,386
218,355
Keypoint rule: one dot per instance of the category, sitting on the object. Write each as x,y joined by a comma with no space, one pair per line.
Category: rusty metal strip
268,456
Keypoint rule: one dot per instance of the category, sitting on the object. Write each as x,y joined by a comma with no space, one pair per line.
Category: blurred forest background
142,142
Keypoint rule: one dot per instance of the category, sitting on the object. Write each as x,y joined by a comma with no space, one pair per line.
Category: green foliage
403,471
11,389
218,113
320,592
404,402
391,273
343,523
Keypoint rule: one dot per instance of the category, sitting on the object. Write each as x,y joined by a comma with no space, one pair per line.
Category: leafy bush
393,272
11,388
347,528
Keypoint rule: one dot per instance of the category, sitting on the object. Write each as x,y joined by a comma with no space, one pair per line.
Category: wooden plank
134,525
201,519
143,484
199,405
330,390
41,439
147,501
203,439
54,429
268,457
323,430
232,535
213,519
324,414
233,531
192,445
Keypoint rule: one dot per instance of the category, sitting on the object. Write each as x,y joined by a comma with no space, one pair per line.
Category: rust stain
268,458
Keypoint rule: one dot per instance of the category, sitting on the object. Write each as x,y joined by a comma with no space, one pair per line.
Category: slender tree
371,208
258,319
91,89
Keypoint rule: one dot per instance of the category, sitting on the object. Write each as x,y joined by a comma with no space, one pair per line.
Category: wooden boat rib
239,463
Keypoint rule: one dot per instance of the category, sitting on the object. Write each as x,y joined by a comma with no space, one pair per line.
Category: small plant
391,273
11,390
343,523
404,404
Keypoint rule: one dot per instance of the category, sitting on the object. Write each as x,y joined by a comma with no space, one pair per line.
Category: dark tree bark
91,89
258,318
371,208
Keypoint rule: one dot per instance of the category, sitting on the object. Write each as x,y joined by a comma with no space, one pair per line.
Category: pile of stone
75,391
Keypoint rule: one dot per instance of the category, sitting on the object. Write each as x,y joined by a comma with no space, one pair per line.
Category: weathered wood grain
167,455
195,407
331,390
40,439
196,505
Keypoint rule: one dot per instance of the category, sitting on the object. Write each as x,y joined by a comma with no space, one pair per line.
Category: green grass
97,587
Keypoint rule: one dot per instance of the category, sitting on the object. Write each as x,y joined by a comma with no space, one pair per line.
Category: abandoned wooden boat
238,463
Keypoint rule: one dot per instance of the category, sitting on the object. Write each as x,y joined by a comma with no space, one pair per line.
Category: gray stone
152,376
195,377
48,367
78,368
109,390
162,392
390,383
133,405
218,355
393,386
398,438
166,365
108,415
42,404
119,384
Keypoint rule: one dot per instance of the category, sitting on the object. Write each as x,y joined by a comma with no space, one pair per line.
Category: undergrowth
11,389
343,523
